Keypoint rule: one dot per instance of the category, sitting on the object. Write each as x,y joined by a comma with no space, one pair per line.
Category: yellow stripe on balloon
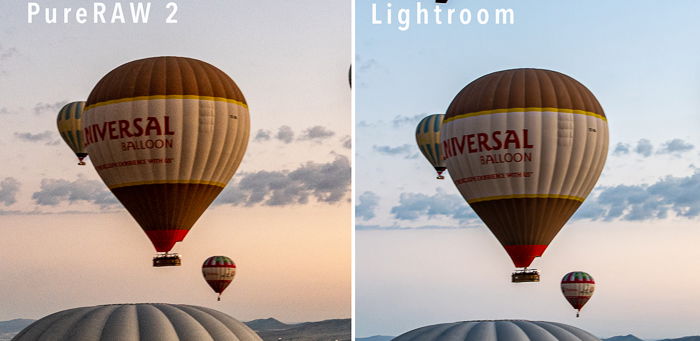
174,182
145,98
531,109
527,196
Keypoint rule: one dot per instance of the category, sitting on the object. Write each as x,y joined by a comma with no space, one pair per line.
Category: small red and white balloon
219,271
577,287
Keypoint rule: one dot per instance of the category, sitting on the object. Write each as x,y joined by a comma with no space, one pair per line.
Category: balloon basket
167,259
81,163
440,177
525,276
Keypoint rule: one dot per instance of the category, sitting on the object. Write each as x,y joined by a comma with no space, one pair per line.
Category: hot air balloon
498,330
68,122
166,134
138,322
577,287
218,271
525,147
428,139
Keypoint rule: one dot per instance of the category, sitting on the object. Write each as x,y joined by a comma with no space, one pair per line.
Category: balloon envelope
577,287
218,271
428,140
525,147
68,122
166,134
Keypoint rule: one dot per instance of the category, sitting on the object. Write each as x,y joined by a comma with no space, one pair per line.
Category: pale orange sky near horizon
282,254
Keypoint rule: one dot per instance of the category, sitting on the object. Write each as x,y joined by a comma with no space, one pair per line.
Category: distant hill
267,324
14,325
375,338
629,337
273,330
8,329
634,338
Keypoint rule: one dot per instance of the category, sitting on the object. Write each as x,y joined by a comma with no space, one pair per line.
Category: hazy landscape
269,329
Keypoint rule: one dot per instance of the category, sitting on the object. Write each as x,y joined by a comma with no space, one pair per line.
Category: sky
285,216
422,255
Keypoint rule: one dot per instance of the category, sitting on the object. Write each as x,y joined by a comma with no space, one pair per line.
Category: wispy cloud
8,190
388,150
677,195
402,120
263,135
53,108
347,142
54,192
7,53
644,148
362,227
317,133
285,134
367,204
675,146
414,206
407,150
621,149
38,137
324,182
366,64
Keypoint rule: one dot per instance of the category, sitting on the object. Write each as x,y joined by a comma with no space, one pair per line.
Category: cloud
361,227
644,148
347,142
677,195
621,149
406,150
317,133
38,137
675,146
53,108
56,191
364,65
263,135
402,120
8,191
7,53
285,134
368,202
325,182
388,150
413,206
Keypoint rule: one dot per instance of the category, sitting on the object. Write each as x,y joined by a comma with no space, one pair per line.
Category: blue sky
289,59
639,59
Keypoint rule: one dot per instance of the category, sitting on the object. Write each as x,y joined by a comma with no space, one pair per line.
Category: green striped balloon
428,140
68,122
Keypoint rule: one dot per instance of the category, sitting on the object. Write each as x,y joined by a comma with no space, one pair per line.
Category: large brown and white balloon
525,147
166,134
